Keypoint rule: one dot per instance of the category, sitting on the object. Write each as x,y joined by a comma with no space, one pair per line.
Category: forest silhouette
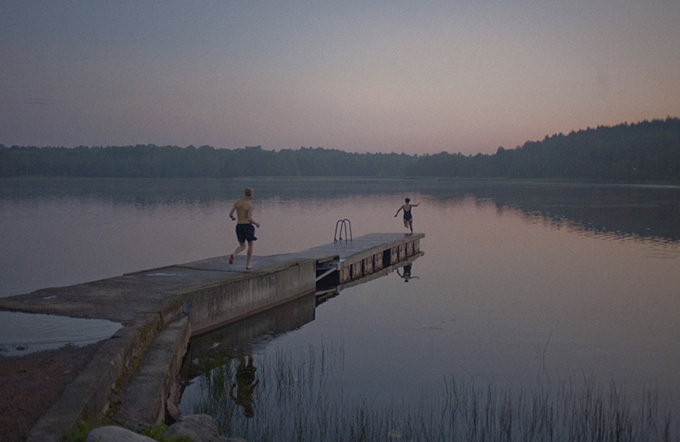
648,151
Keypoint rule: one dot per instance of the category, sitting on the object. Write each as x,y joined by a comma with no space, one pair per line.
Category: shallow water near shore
24,333
521,285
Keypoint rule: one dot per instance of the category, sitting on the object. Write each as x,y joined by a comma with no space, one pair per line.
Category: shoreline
30,384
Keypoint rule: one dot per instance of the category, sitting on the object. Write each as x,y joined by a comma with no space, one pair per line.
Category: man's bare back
243,209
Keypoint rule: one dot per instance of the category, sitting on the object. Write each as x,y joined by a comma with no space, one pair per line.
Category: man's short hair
249,191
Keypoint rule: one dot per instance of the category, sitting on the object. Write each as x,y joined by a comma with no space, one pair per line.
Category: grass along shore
292,399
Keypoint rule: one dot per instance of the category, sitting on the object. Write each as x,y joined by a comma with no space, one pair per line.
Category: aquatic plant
294,399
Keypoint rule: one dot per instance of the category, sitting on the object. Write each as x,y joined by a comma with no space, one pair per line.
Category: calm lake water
521,285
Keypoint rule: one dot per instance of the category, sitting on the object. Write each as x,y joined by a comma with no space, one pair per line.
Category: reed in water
294,399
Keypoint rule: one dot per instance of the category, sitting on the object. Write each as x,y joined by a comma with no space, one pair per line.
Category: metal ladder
339,227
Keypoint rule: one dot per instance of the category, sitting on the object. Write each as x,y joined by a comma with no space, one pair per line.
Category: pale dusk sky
362,76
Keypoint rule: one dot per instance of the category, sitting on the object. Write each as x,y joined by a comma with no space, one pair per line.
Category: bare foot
231,259
249,267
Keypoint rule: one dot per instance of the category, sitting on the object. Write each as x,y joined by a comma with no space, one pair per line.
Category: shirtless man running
245,230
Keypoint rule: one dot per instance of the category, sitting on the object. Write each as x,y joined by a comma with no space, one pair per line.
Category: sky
418,77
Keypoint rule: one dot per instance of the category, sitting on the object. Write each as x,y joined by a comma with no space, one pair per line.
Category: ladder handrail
343,223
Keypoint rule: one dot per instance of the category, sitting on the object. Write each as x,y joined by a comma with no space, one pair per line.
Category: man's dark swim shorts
245,232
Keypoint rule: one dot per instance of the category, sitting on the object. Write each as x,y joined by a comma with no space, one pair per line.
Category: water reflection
214,349
153,192
220,366
621,211
406,273
210,358
518,277
637,212
245,384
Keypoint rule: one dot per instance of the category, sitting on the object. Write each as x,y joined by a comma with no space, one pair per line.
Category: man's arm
231,214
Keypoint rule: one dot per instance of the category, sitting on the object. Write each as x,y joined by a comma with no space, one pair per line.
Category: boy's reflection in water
406,275
245,384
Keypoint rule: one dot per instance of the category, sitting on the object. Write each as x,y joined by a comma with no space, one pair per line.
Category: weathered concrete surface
175,290
89,394
360,247
209,293
158,291
209,350
144,400
213,306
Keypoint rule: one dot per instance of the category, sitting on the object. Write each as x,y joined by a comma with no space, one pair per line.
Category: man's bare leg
238,250
250,254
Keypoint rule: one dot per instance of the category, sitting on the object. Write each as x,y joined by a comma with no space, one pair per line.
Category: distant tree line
645,151
151,161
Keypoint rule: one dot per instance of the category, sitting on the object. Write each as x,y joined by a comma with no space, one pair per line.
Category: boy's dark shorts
245,232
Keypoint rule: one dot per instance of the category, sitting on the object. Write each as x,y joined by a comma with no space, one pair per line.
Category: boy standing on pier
245,226
408,217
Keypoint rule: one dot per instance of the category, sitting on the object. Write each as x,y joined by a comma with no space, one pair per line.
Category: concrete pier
132,377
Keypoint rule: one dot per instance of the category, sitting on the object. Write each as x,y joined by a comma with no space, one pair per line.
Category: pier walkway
132,377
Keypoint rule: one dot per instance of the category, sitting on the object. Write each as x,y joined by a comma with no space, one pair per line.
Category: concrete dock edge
89,394
145,398
132,378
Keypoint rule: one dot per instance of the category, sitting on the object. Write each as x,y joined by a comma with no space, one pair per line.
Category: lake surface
521,285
